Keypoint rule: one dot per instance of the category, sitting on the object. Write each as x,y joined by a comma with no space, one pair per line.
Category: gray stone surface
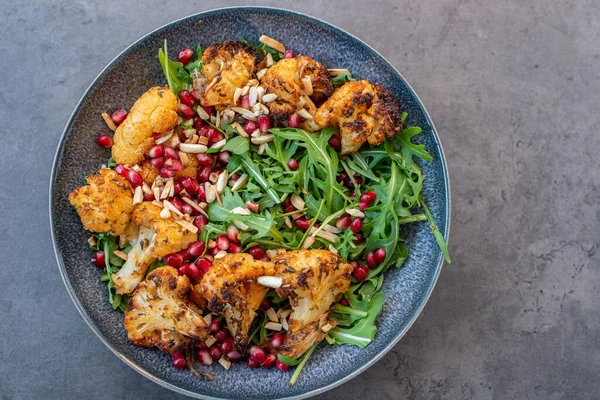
513,90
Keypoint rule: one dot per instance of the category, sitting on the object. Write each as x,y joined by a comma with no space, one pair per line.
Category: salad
250,209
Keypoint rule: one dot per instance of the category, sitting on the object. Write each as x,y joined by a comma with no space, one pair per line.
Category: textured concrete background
514,91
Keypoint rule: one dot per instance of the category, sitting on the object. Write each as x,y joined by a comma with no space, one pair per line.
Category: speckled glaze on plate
133,72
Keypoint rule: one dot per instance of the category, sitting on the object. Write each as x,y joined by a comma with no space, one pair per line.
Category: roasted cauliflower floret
230,289
364,113
312,280
160,313
226,66
154,111
105,203
321,86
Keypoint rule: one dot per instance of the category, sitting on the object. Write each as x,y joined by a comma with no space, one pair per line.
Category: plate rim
83,312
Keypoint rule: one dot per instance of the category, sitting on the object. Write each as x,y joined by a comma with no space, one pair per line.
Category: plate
132,73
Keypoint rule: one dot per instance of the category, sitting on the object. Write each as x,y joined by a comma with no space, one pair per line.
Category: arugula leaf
341,79
436,232
292,362
111,163
195,65
237,145
255,173
303,362
177,77
363,332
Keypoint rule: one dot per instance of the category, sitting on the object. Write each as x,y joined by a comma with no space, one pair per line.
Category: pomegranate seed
232,233
360,273
234,248
343,222
380,255
203,264
197,248
277,340
256,251
176,166
251,206
186,98
134,178
198,123
215,325
358,238
148,196
264,123
223,157
194,272
200,221
250,127
363,206
288,207
294,120
371,260
368,197
200,345
121,170
185,55
205,159
335,141
186,255
221,335
355,225
234,356
158,162
209,109
354,264
156,151
302,223
234,177
173,260
252,363
215,137
293,164
269,361
215,352
227,345
187,209
119,116
186,112
176,202
190,185
104,141
281,366
258,354
222,242
342,177
183,269
266,303
171,153
204,357
245,102
99,259
166,173
289,54
204,174
345,302
202,193
178,360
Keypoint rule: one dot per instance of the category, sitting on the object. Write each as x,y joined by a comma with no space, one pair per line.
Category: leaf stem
350,311
300,366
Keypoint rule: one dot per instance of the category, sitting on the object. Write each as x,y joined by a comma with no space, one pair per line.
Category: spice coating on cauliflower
364,113
160,314
105,203
154,111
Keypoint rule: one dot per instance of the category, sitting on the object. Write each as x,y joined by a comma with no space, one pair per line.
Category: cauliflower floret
156,237
363,111
317,72
105,203
160,313
226,66
154,111
230,289
313,280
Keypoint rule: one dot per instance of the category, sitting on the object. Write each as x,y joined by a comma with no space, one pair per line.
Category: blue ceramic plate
132,73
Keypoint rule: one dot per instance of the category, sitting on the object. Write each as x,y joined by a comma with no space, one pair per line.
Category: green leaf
341,79
237,145
255,173
177,77
436,232
111,163
363,332
303,362
292,362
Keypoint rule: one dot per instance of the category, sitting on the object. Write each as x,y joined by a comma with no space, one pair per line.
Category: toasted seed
272,315
220,254
242,226
261,149
92,241
272,43
262,139
297,202
211,193
261,73
225,363
185,161
210,341
164,213
332,249
308,242
169,206
326,328
284,313
240,211
237,95
355,213
270,281
189,132
120,254
109,122
245,90
193,148
244,113
270,61
284,323
207,318
240,183
269,97
330,237
305,114
146,188
288,221
331,228
187,226
211,244
213,177
240,129
163,139
219,145
273,326
202,113
271,253
260,91
252,96
138,195
257,109
222,181
338,71
252,82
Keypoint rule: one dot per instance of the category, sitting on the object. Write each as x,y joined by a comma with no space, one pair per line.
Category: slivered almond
169,206
297,202
138,195
157,193
220,254
274,44
210,341
92,241
270,281
185,161
237,94
189,132
164,213
252,96
284,313
136,168
270,61
174,141
288,221
284,323
269,97
222,181
271,253
157,203
338,71
109,122
273,326
120,254
252,82
207,318
331,228
193,204
211,244
240,211
218,119
146,188
193,148
202,113
330,237
355,213
272,315
240,129
219,145
225,363
211,193
187,226
308,242
307,83
241,226
244,113
163,139
326,328
245,90
261,73
242,180
332,249
261,92
262,139
305,114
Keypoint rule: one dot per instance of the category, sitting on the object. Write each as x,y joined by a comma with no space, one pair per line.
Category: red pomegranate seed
176,166
205,159
232,233
185,55
234,248
186,255
252,363
294,120
204,357
251,206
342,177
368,197
222,335
245,102
266,303
176,202
203,264
214,136
202,193
363,206
104,141
234,356
223,157
198,123
183,269
256,251
186,112
288,207
99,259
293,164
200,345
173,260
380,255
204,174
227,345
200,221
134,178
209,109
343,222
194,272
277,340
171,154
281,366
358,238
186,98
345,302
335,141
215,325
148,196
250,127
264,123
215,352
158,162
197,248
222,242
269,361
302,223
121,170
156,151
178,360
354,264
190,185
360,273
356,225
371,260
258,354
187,209
289,54
119,116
